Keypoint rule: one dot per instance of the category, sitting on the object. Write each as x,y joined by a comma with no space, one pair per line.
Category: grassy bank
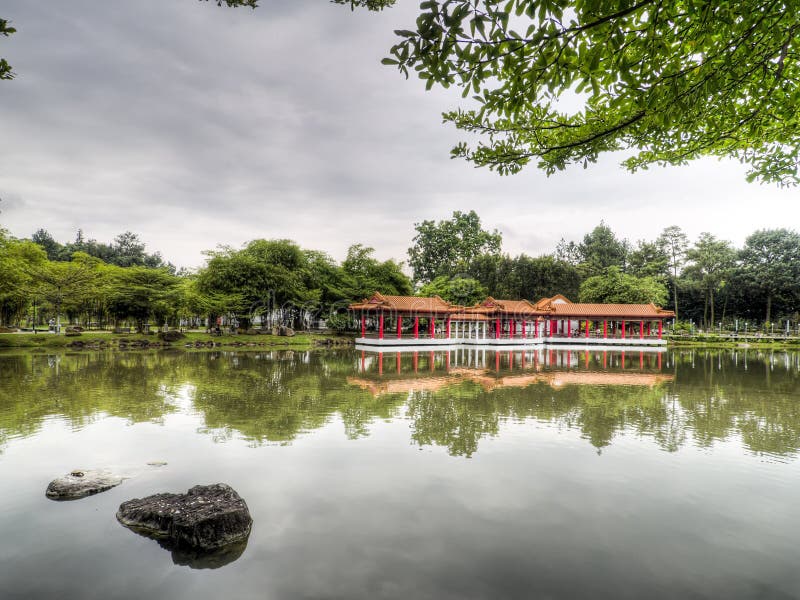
106,339
750,341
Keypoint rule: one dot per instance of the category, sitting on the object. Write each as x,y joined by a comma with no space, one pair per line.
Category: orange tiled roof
510,307
611,310
410,304
468,316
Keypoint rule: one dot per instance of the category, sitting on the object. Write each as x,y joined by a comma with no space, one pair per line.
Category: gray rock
206,518
285,331
81,483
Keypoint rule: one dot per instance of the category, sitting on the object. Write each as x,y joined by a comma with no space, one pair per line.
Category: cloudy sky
195,125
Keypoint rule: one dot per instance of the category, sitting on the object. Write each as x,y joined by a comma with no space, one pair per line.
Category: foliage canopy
561,82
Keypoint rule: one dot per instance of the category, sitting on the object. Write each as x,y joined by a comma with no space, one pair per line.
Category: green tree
19,261
447,247
616,287
458,290
62,283
141,294
770,263
265,275
648,259
669,82
366,275
599,250
711,263
53,249
674,244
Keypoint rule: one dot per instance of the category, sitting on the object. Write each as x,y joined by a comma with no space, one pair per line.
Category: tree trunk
675,296
711,295
769,307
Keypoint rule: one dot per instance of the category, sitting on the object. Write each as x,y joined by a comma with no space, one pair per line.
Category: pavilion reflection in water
432,370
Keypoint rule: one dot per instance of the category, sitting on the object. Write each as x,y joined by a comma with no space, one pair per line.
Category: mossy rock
171,336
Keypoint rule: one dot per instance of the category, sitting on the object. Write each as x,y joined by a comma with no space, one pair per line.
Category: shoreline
193,340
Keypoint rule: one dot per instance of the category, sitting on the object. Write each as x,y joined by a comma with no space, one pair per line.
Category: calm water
548,475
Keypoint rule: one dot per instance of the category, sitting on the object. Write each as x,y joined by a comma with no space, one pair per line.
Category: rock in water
206,518
81,483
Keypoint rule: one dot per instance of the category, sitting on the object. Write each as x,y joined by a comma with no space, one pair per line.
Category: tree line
276,281
707,282
96,284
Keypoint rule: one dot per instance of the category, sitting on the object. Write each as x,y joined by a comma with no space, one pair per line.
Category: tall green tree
648,259
616,287
770,263
667,81
601,249
674,244
711,263
446,247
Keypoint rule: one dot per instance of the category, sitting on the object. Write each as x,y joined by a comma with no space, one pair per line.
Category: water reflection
195,558
451,399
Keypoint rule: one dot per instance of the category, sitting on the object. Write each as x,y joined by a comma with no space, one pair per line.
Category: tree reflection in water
451,399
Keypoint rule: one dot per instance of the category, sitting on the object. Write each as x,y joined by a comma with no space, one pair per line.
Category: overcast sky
194,125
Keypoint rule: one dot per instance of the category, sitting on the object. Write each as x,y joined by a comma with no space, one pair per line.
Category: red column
587,328
497,360
416,328
605,328
523,329
605,358
497,329
363,325
399,326
433,327
447,329
512,325
431,360
552,327
659,361
648,328
641,330
536,328
660,327
569,328
399,363
623,330
380,326
380,363
416,361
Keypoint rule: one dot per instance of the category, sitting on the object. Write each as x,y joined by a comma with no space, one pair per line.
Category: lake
461,475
